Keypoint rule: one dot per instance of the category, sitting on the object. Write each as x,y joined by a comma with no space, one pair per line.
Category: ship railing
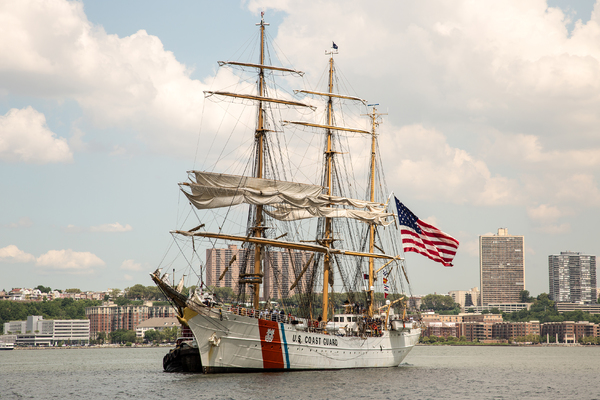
264,315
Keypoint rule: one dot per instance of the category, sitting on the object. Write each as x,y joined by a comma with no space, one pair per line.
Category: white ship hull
230,342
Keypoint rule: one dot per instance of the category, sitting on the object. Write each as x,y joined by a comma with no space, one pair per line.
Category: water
429,372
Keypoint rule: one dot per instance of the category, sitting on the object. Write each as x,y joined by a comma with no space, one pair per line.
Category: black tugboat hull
183,359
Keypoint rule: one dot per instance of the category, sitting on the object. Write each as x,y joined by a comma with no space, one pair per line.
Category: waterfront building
442,329
110,317
588,308
477,331
280,269
569,331
157,324
510,330
434,317
466,298
502,267
572,277
503,307
36,331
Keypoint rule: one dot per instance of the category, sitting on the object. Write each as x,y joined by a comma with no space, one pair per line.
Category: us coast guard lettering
314,340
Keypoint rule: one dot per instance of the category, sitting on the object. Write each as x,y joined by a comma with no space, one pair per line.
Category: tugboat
185,357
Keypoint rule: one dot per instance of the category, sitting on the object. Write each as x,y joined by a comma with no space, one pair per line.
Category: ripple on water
429,372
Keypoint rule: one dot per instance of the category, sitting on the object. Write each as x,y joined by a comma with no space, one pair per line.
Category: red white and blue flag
386,287
420,237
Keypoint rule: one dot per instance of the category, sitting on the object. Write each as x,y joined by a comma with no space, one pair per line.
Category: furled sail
291,200
287,213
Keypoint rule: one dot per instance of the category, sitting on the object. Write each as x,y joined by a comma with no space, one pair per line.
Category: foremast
257,227
260,132
328,239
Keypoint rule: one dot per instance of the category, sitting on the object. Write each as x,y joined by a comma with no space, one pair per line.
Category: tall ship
337,294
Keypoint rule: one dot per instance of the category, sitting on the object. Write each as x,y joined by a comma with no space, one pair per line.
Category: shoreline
103,346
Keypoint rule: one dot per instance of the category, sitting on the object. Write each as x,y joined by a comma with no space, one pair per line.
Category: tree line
54,309
128,337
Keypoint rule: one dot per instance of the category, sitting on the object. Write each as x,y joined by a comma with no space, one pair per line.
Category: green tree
122,336
170,334
224,294
122,301
43,289
525,298
439,303
136,292
152,335
73,290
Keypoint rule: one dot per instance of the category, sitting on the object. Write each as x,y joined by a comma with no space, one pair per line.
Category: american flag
386,287
425,239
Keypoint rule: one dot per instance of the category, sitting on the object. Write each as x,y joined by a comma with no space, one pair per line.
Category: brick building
111,317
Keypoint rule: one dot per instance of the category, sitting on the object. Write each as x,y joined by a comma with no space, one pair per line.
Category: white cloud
12,254
431,168
131,265
554,229
130,82
432,220
106,228
470,247
69,261
127,277
23,222
116,227
544,212
73,229
25,137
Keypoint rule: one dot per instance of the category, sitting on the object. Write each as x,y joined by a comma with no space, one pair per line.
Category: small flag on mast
335,46
386,287
420,237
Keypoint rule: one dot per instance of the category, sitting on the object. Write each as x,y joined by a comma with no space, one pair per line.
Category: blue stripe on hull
285,347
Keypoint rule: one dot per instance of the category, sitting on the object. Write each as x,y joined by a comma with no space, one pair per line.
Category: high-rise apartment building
502,267
572,277
278,269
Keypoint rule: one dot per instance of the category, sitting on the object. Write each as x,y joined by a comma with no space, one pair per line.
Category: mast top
375,117
334,49
262,20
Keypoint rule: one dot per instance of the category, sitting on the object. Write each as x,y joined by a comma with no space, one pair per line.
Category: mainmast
328,240
375,121
260,131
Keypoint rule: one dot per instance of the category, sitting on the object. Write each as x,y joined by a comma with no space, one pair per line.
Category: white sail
287,213
292,201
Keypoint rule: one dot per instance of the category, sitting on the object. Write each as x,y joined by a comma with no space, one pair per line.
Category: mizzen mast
375,121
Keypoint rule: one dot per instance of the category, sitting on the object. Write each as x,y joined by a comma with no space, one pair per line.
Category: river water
429,372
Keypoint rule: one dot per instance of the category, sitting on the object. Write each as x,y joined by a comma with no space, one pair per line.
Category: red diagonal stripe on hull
272,353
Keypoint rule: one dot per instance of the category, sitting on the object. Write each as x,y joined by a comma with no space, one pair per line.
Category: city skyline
492,122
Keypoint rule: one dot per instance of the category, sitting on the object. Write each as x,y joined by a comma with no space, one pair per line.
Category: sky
492,123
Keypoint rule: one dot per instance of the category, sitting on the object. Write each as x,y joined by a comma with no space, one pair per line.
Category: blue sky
492,123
